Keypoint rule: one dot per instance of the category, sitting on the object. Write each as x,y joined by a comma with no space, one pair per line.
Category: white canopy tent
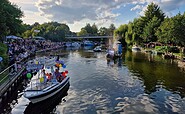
13,37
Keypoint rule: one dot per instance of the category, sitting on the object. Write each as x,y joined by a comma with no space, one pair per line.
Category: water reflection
9,104
156,74
115,62
136,83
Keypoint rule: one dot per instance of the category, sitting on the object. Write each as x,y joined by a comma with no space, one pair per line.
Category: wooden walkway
11,79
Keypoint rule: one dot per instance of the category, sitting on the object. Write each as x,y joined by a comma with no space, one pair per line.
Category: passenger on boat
57,74
61,77
49,75
45,79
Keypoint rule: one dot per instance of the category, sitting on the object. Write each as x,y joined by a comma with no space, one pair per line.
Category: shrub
3,54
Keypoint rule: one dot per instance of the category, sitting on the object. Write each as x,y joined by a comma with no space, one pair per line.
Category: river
137,83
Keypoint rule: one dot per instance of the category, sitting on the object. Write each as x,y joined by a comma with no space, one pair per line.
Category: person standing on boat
57,74
57,58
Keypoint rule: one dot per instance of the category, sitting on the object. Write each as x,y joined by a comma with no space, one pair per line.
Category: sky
77,13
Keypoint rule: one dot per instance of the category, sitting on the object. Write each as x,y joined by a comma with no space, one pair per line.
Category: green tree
88,28
120,33
178,31
152,14
3,54
111,29
103,31
94,29
129,35
10,21
150,30
153,10
138,25
83,32
164,32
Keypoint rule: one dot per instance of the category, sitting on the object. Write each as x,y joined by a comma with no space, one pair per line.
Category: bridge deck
88,37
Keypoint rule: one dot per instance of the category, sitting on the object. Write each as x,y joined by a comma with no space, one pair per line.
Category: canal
137,83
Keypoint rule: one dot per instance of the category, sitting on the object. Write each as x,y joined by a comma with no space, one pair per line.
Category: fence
8,74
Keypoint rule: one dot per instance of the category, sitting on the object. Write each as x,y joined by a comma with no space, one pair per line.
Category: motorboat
46,83
47,106
97,49
116,52
88,43
42,91
136,49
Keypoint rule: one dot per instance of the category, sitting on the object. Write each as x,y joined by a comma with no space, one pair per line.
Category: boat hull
43,95
136,49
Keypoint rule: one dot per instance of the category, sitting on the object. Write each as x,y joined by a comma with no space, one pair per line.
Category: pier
9,81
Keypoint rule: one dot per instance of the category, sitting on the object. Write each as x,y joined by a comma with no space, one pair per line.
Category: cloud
167,6
137,7
72,11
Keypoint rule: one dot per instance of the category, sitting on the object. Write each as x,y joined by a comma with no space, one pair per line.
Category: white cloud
137,7
78,12
71,11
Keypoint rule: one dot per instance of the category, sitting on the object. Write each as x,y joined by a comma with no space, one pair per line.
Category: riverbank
178,57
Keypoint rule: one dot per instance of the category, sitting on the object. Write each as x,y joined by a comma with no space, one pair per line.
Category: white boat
97,49
40,92
46,84
88,43
136,49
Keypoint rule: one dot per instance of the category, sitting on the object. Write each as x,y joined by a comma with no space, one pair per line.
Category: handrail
7,69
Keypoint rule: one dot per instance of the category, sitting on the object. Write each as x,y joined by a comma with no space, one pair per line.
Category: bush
173,49
161,48
4,55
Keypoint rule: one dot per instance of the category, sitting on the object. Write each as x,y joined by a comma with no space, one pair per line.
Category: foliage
10,21
164,31
138,25
153,10
150,30
178,29
111,29
129,35
103,31
161,48
53,31
172,30
83,32
3,54
142,29
94,29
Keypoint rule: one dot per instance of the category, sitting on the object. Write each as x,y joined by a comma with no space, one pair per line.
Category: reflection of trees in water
155,74
47,106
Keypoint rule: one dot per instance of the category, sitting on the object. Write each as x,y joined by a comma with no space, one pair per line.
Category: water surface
137,83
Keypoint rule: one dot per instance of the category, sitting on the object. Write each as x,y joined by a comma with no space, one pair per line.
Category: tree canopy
10,21
53,31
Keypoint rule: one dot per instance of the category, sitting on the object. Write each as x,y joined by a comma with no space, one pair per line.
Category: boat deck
41,86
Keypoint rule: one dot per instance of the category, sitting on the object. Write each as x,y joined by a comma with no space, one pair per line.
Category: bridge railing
88,37
7,74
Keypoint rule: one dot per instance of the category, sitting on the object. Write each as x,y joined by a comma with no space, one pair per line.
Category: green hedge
167,48
4,55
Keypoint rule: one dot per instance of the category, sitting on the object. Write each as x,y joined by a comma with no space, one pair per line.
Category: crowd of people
21,49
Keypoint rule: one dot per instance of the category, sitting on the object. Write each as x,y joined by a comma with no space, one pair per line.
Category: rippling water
135,84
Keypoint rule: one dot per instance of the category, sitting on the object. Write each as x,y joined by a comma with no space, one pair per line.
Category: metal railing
7,74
